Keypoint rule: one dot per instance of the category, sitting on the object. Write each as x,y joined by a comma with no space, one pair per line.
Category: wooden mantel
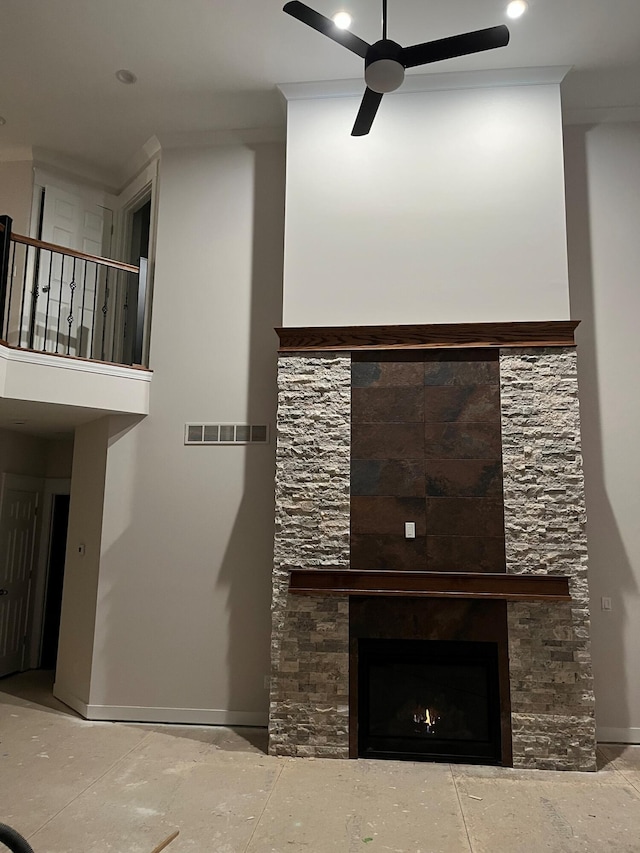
388,582
548,333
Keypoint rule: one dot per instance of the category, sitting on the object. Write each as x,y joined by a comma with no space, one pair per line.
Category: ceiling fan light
342,20
384,75
517,8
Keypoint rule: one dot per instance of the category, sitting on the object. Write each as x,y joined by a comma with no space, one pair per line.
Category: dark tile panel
386,515
387,552
465,554
392,356
464,440
387,441
465,517
477,403
458,478
462,373
428,619
387,405
401,477
382,374
462,355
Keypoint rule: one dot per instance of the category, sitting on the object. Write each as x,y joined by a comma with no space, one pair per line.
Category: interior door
69,288
18,520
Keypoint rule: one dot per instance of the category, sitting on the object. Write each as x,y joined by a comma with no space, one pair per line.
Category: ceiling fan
385,60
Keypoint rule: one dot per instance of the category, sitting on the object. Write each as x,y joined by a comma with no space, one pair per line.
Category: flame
425,717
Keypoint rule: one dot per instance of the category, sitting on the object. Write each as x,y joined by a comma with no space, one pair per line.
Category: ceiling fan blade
366,113
326,26
475,42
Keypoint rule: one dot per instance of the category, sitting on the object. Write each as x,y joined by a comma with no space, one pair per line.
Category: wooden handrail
83,256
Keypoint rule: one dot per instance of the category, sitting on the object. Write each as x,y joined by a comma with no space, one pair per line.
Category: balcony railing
58,300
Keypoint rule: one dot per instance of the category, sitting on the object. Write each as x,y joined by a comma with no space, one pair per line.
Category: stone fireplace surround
549,699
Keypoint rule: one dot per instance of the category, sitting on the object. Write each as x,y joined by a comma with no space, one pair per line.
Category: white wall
603,217
182,627
16,192
33,456
450,210
23,454
59,458
77,622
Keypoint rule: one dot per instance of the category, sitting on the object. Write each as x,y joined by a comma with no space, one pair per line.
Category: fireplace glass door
421,699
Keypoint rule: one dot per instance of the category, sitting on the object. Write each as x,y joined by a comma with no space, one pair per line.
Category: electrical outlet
409,530
605,602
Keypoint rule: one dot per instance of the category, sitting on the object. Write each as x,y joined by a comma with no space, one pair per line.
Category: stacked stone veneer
550,671
310,636
552,702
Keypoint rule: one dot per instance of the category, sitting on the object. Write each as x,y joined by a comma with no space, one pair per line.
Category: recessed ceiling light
126,76
517,8
2,120
342,20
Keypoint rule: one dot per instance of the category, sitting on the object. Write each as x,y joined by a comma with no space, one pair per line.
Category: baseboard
69,699
605,734
190,716
141,714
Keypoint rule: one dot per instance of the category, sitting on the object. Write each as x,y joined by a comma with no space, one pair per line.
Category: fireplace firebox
429,700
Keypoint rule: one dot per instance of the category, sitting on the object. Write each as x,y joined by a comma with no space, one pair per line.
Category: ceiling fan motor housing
383,69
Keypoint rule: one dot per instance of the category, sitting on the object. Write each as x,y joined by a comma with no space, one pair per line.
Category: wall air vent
226,434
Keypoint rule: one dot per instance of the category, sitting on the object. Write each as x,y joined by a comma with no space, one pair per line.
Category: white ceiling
44,420
207,65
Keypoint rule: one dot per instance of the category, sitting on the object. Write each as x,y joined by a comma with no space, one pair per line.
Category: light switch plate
409,530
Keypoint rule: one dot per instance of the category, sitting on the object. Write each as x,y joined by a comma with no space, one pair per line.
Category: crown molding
601,115
240,136
72,168
536,76
17,154
144,156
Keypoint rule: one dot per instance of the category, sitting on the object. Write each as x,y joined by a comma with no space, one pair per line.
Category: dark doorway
140,227
140,224
55,576
430,700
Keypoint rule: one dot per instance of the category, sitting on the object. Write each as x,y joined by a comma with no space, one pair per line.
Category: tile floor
73,786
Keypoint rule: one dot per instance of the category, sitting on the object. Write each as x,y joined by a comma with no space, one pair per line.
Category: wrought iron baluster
60,304
94,313
105,309
35,293
72,288
5,252
113,316
12,265
84,294
46,316
24,292
125,318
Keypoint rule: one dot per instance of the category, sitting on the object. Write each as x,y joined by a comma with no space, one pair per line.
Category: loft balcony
72,329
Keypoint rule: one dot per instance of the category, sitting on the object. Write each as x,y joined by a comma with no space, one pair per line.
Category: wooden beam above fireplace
548,333
387,582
